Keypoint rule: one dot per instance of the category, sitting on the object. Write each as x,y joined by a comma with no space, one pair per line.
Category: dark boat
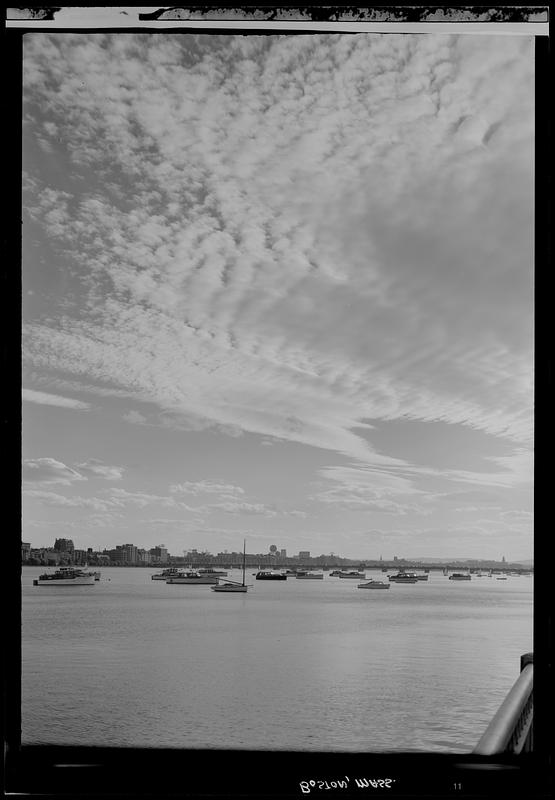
270,576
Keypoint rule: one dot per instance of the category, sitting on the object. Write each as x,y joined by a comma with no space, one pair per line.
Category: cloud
48,470
134,417
290,235
241,508
206,487
54,499
43,398
97,469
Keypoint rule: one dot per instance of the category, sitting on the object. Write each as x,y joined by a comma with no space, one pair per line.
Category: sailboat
233,586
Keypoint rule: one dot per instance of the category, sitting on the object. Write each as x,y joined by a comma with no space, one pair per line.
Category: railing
511,730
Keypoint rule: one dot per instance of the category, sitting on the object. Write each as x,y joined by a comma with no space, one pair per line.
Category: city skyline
279,288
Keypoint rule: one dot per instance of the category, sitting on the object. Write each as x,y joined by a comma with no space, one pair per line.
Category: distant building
64,545
304,553
25,551
159,554
283,553
79,557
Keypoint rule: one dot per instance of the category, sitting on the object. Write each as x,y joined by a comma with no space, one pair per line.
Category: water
291,665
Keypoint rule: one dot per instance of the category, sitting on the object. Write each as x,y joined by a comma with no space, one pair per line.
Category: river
291,665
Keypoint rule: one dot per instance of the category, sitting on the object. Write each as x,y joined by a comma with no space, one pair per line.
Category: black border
115,772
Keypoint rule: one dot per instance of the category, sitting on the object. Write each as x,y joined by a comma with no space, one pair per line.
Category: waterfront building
304,554
25,551
159,554
64,545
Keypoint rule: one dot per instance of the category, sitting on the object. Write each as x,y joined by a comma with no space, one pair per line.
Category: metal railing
511,730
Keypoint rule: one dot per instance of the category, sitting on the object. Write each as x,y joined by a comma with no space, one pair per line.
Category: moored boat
234,586
213,572
404,577
270,575
193,577
171,572
351,574
65,576
460,576
313,576
372,584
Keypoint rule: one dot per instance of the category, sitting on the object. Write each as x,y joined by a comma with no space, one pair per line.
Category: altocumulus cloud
307,231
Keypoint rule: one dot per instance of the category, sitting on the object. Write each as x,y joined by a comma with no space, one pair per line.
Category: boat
171,572
233,586
95,574
66,576
460,576
372,584
192,577
501,578
404,577
270,575
305,575
351,574
335,573
210,571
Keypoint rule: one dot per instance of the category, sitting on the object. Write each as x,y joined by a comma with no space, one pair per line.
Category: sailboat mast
244,556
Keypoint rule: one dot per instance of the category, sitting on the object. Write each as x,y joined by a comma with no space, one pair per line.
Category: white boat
233,586
372,584
66,576
193,577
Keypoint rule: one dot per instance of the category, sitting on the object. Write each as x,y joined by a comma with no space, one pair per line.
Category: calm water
294,665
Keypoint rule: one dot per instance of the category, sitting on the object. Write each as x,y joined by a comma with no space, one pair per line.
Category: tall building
64,545
283,553
304,553
25,551
159,554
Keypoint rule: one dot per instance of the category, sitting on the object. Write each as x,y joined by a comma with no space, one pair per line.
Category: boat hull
201,580
228,588
84,580
309,577
374,585
262,577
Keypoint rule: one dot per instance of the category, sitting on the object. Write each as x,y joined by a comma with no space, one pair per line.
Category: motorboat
193,577
270,575
210,571
351,574
501,578
171,572
66,576
311,576
404,577
372,584
233,586
460,576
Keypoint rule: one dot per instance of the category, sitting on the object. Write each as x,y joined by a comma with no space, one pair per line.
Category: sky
279,287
